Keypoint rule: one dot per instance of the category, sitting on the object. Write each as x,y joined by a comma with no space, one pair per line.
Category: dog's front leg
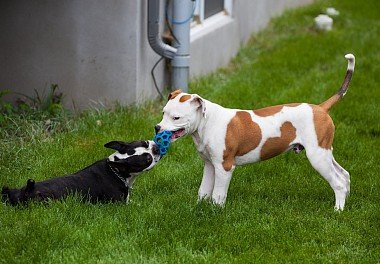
207,185
222,181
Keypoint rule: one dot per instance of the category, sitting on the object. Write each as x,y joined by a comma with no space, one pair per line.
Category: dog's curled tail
326,105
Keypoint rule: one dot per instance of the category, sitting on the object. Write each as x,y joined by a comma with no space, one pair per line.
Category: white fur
351,61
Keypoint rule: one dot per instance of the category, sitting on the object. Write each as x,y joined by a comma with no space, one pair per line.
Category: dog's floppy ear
198,102
30,185
119,146
173,95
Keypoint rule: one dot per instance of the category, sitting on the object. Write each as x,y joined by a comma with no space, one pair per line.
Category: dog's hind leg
323,161
345,173
207,185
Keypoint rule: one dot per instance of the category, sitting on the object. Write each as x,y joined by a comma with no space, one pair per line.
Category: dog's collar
117,173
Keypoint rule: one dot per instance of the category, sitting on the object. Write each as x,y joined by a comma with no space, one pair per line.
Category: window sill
210,24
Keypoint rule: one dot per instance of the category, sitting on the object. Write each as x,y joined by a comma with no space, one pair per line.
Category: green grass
279,210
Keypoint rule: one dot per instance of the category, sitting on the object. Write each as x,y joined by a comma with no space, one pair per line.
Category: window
213,7
208,8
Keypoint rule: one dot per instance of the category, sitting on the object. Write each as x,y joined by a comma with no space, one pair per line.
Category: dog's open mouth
177,134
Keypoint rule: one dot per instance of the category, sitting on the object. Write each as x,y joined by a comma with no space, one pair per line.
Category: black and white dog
106,180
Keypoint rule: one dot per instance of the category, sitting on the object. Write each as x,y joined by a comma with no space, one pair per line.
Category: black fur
95,183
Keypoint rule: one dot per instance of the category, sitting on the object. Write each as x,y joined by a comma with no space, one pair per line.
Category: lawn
279,210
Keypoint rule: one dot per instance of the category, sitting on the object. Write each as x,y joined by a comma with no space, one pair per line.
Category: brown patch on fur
277,145
271,110
174,94
324,127
184,98
242,136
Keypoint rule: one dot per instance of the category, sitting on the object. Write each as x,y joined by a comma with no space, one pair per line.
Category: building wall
220,38
97,51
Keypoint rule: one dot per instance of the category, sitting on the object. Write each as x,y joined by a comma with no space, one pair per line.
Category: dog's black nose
157,128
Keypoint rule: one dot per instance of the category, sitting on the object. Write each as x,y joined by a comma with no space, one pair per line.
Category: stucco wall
97,51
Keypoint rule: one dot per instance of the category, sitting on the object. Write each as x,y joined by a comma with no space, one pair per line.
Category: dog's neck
200,120
200,126
122,176
201,131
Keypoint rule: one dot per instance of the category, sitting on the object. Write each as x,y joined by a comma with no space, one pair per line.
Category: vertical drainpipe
181,19
154,37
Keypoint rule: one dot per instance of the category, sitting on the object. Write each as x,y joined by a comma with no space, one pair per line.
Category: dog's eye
176,117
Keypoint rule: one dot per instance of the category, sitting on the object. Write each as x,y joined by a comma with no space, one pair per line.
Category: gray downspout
181,19
153,31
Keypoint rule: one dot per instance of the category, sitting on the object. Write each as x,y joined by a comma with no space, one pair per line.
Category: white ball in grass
324,22
331,11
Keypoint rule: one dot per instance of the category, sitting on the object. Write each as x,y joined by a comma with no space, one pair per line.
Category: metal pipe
154,38
182,14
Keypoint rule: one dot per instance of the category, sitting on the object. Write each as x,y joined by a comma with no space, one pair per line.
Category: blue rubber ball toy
163,140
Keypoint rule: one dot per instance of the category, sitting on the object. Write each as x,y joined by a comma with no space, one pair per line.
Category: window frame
199,11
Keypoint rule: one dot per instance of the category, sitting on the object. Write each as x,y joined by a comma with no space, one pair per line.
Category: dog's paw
203,196
219,199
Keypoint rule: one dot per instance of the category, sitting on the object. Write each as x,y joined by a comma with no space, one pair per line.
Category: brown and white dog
229,137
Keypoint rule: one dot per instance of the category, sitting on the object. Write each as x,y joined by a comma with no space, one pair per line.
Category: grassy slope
278,210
